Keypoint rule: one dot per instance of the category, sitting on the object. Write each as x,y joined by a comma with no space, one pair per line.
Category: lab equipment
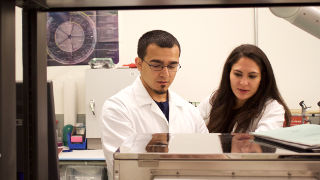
80,129
98,63
78,146
78,134
211,156
303,112
306,18
66,130
100,85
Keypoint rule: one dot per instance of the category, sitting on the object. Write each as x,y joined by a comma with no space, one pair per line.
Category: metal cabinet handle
92,106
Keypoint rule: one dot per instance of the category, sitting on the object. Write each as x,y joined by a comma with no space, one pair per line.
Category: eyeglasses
159,67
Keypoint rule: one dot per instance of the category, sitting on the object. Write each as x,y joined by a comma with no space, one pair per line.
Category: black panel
35,92
53,169
157,4
7,91
32,4
23,145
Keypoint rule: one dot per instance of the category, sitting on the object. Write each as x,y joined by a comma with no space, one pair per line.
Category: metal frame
210,169
7,91
157,4
35,92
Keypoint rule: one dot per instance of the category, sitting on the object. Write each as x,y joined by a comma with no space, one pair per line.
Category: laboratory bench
82,165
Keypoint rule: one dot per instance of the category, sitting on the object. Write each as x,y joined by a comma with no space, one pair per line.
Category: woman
248,98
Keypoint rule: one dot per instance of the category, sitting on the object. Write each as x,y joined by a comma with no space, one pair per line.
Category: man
147,106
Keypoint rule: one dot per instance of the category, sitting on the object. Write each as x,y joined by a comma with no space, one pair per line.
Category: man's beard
161,91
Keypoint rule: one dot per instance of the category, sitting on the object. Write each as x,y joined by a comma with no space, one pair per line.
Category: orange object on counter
132,65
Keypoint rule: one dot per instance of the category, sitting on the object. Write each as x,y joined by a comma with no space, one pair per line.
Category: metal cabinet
100,85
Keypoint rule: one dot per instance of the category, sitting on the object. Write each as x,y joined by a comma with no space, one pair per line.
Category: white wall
207,36
295,58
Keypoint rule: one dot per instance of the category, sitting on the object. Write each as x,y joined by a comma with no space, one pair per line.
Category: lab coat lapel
144,99
141,95
175,106
155,108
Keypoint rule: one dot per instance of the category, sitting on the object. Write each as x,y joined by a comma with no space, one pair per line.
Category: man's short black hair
159,37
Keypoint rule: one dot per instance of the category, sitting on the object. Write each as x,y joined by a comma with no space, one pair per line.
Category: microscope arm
306,18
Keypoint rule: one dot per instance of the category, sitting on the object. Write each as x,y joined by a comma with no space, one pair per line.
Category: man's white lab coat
132,111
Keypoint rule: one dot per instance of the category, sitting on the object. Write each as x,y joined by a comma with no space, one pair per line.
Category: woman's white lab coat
272,116
132,111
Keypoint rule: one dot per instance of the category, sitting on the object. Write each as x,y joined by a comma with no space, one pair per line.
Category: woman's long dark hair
223,101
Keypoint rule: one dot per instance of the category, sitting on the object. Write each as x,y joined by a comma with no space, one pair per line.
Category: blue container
81,146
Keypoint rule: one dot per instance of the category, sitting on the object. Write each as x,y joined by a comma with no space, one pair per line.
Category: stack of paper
306,136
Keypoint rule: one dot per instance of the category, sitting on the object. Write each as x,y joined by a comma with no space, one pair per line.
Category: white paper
306,136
